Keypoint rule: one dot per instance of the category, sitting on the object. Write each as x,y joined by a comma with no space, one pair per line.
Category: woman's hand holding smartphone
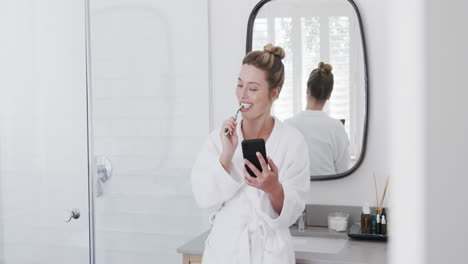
259,171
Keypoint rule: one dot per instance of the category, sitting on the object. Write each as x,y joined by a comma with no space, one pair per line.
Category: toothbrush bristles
240,108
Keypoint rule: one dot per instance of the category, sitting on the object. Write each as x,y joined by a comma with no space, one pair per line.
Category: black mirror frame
249,38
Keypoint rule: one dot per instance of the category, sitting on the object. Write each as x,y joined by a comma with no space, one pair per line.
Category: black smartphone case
249,149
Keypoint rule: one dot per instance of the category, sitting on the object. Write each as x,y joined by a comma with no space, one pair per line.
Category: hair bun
324,68
275,50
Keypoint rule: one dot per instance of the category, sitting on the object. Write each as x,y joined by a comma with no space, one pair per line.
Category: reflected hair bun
324,68
320,83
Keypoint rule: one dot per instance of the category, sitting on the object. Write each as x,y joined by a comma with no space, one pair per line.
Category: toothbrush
226,132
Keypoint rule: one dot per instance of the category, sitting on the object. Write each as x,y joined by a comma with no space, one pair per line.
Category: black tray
355,232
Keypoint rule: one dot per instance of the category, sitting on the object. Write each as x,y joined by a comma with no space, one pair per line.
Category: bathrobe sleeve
211,184
295,177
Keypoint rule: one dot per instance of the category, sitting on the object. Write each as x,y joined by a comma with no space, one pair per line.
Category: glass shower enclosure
109,108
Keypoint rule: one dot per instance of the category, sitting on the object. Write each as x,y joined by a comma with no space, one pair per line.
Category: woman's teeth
246,106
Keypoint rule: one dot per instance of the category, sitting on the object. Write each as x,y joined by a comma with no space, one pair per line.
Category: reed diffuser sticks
384,193
380,204
376,195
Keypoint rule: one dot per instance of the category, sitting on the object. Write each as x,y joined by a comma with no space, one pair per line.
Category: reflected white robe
327,141
245,227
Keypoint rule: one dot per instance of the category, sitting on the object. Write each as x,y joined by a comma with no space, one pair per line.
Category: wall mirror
311,31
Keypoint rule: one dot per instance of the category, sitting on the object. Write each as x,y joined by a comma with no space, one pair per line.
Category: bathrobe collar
270,143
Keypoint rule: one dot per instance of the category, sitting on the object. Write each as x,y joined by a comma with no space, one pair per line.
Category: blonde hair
268,60
320,83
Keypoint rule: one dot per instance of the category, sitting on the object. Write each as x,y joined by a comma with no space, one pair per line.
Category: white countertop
353,251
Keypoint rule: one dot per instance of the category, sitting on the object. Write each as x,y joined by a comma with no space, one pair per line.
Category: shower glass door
149,106
43,133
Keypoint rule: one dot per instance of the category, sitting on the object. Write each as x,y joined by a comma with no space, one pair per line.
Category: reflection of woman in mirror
326,137
251,216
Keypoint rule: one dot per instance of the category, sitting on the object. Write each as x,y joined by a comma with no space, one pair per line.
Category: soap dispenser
366,219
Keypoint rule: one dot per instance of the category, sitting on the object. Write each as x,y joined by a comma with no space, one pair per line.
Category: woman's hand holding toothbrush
229,141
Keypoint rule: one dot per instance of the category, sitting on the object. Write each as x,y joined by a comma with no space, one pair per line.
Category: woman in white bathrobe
251,216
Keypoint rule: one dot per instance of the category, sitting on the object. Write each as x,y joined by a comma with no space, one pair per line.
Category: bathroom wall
228,26
446,130
429,131
408,125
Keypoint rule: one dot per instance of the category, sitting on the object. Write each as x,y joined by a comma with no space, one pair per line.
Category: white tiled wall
150,118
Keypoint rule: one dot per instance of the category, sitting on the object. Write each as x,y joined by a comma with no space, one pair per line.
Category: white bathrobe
245,227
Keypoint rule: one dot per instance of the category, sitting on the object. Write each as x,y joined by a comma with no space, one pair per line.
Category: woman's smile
246,107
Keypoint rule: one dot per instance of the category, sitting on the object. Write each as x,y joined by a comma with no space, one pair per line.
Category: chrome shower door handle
103,168
69,215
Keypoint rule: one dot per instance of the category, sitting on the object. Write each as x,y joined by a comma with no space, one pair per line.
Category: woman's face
252,88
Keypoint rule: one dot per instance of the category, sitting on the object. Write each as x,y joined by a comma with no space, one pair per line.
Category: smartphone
249,148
